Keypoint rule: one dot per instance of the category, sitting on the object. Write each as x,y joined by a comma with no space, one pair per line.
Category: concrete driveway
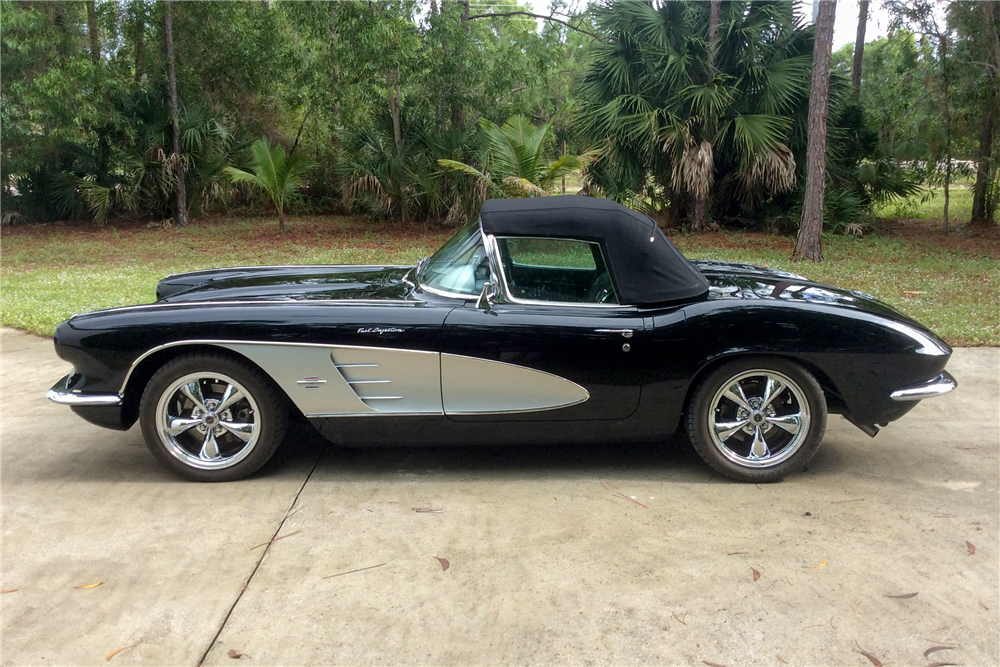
557,555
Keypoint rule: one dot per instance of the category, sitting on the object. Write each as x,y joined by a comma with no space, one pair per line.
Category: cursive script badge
379,330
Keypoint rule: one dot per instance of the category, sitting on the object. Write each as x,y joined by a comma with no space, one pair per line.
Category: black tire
743,453
245,433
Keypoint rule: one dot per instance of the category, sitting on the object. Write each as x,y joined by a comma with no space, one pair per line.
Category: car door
557,346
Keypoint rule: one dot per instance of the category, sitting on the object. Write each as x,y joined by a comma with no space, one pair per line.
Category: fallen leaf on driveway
756,574
426,510
444,563
934,649
9,590
236,655
875,661
737,553
712,664
941,664
780,659
905,596
90,585
972,547
813,567
116,652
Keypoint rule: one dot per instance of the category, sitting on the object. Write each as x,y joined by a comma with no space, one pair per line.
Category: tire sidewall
271,409
697,419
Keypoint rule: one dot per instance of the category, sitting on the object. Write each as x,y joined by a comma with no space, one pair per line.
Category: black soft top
645,266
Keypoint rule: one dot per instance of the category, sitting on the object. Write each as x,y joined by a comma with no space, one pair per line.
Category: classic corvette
547,320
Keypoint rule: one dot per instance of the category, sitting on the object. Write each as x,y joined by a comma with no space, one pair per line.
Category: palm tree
694,99
274,172
516,163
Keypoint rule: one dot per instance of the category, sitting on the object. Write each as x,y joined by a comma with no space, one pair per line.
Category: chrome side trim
450,295
267,302
481,386
69,398
294,266
939,386
389,380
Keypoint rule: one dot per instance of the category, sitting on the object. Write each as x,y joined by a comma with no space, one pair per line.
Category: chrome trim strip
293,266
267,302
939,386
324,415
70,398
381,398
450,295
356,365
366,381
224,342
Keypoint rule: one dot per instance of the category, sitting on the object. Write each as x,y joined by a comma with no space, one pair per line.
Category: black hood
284,283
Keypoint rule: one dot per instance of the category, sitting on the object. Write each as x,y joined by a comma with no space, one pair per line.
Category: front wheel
757,419
212,418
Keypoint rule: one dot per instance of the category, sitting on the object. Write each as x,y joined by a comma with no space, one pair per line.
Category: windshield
459,266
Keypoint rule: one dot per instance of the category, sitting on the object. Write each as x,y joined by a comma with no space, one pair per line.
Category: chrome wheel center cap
210,419
758,417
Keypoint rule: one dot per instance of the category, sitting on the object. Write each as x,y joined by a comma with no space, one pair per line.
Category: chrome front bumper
938,386
61,394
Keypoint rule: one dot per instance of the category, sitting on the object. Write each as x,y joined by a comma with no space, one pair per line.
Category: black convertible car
558,319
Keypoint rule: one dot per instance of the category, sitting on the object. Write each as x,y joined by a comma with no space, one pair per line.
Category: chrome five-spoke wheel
212,417
757,419
208,421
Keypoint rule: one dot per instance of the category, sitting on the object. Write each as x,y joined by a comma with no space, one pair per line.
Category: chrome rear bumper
62,395
938,386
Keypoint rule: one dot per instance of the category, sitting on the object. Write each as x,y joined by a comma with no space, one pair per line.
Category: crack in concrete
260,560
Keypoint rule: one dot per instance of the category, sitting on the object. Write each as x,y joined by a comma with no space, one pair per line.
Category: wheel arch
148,363
830,392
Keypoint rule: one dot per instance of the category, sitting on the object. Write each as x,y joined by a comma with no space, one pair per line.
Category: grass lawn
51,272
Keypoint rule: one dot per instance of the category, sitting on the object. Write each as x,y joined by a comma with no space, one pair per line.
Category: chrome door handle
626,333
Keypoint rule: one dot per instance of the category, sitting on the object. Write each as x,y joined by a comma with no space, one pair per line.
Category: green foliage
516,163
673,127
273,172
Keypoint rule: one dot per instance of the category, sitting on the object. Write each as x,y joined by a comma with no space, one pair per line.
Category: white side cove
343,380
473,386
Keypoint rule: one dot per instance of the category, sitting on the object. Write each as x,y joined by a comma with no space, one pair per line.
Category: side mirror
485,301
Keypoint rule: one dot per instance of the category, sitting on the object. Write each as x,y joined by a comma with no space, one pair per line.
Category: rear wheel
757,419
212,418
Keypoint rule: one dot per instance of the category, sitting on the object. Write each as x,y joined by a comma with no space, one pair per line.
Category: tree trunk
457,110
392,85
334,43
859,45
981,215
699,208
168,25
946,84
699,214
95,44
714,18
809,244
140,39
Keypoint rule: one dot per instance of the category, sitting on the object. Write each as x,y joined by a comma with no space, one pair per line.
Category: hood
746,281
284,283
